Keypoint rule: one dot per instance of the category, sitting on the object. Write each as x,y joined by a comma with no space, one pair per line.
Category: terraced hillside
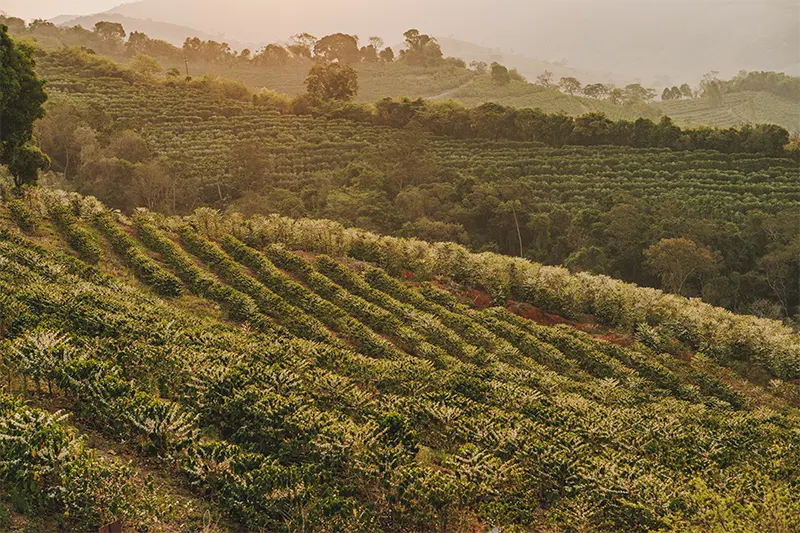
174,147
736,108
306,377
200,129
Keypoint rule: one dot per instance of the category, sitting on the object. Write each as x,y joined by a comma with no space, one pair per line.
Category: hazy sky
29,9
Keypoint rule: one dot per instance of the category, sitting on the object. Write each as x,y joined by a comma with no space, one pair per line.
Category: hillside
736,108
299,374
530,67
175,34
630,39
447,80
176,146
521,94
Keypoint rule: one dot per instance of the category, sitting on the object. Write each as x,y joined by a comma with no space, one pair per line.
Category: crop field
199,130
735,109
305,376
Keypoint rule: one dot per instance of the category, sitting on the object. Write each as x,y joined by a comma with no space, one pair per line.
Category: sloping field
306,377
736,109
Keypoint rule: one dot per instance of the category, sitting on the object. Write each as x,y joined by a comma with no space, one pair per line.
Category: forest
225,309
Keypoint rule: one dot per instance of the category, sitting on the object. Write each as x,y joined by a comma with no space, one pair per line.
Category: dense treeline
772,82
496,122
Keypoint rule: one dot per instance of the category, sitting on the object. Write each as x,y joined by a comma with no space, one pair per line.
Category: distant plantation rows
176,147
358,399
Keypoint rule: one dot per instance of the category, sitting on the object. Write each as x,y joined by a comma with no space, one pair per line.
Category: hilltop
297,372
175,34
632,40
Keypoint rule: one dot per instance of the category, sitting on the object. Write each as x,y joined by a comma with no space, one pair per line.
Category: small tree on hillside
545,79
302,45
334,81
570,85
421,49
338,47
597,90
387,55
500,74
145,66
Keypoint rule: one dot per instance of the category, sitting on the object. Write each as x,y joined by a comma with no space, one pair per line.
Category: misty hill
527,66
172,33
677,41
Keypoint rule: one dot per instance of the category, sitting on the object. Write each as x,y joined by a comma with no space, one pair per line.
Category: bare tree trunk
519,233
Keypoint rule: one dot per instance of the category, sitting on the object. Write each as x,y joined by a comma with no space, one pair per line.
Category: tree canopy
333,81
21,98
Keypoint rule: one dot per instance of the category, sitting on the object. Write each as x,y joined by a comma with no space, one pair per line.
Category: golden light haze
633,38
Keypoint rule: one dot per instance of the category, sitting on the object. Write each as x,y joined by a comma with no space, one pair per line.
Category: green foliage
332,81
21,98
462,417
23,216
78,238
147,270
47,468
238,305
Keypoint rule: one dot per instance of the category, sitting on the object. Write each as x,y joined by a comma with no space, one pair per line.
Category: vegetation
327,371
175,145
21,98
470,417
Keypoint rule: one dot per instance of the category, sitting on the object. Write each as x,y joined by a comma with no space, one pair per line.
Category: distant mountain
675,41
172,33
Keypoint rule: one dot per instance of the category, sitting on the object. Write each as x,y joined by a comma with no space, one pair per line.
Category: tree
545,79
112,32
711,88
338,47
369,54
376,42
333,81
21,102
570,84
25,162
676,261
500,74
387,55
421,49
666,94
480,67
686,91
634,93
272,54
302,45
145,66
597,90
